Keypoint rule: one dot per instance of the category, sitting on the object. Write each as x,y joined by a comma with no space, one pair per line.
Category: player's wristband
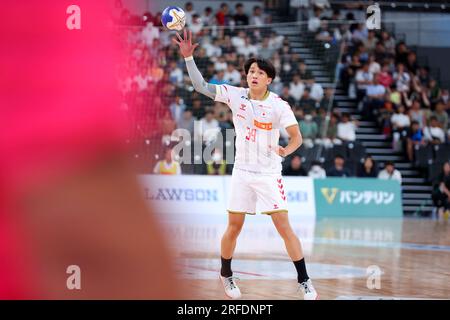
189,58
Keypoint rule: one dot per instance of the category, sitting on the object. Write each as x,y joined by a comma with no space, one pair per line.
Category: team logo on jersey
275,206
242,107
246,98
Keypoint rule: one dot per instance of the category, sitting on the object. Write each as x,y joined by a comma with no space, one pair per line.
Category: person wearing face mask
217,165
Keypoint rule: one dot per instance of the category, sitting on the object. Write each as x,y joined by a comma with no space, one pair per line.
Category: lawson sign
195,194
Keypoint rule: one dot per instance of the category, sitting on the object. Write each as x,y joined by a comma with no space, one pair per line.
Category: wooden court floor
411,259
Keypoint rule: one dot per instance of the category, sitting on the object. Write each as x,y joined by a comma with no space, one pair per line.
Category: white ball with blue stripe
173,18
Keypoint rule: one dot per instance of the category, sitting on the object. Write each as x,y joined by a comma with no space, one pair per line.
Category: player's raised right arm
187,50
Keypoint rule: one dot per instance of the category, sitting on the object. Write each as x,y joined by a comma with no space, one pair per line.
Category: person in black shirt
338,170
368,169
240,18
441,192
295,167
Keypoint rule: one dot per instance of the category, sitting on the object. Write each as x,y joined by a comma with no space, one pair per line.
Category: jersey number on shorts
251,134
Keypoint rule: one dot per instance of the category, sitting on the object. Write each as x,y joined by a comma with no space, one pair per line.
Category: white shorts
249,189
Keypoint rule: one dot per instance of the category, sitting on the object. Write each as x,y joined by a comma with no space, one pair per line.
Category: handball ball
173,18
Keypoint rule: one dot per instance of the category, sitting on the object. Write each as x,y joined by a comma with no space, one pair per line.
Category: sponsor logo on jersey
242,107
263,125
240,116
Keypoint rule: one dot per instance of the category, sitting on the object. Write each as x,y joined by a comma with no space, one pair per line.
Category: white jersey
257,125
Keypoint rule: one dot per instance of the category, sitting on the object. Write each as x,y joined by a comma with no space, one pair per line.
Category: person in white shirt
239,40
248,48
401,78
296,88
189,12
346,129
220,64
197,24
175,73
314,21
149,33
390,173
209,127
316,90
232,76
258,115
316,171
433,133
142,79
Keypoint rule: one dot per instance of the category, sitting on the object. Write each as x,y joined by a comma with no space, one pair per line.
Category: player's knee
234,228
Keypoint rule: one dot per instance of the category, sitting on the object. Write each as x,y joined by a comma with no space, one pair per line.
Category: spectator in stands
142,79
400,124
411,62
189,11
441,116
223,16
296,88
197,25
307,103
384,77
212,49
310,131
330,139
388,42
415,138
346,129
328,99
402,78
295,167
417,114
149,33
441,192
370,42
248,48
434,133
316,90
239,39
338,169
219,78
314,21
368,169
177,108
265,51
232,76
209,127
363,78
175,73
375,94
316,171
208,18
168,165
257,18
303,71
217,165
285,95
220,64
390,173
197,109
186,122
240,18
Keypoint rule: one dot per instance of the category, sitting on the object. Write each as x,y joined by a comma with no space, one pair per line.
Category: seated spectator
303,71
328,99
168,165
363,78
434,133
390,173
417,114
309,130
186,122
316,171
330,139
401,78
265,51
208,127
222,16
208,18
189,12
231,75
220,64
257,18
240,18
239,40
295,167
374,99
441,116
197,109
400,123
384,77
316,90
346,129
296,88
177,108
338,169
415,138
307,103
314,21
285,95
368,169
143,79
441,192
175,73
248,49
149,33
219,78
217,165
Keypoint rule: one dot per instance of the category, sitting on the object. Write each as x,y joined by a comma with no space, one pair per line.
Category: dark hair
389,163
339,156
263,64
